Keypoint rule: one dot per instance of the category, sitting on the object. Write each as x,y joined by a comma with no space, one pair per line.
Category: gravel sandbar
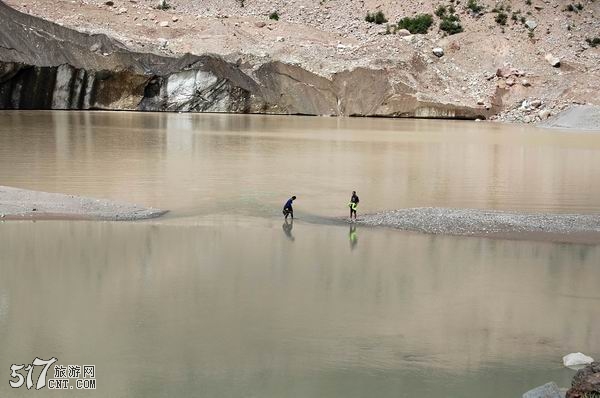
19,204
575,228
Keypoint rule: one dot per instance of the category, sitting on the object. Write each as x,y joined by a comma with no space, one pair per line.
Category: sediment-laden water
221,298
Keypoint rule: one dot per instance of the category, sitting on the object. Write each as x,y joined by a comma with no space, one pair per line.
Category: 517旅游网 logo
84,376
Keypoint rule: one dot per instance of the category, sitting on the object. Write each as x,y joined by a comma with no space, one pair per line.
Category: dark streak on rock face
81,71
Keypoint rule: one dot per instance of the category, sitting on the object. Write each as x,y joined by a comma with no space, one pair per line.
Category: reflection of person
287,229
352,236
287,208
353,204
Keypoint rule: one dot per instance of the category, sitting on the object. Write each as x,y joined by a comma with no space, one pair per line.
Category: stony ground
18,204
486,64
473,222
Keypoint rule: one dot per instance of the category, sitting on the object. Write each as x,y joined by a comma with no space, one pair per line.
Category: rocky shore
576,228
23,204
308,59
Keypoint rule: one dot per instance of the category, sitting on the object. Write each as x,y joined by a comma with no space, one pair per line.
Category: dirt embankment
317,58
23,204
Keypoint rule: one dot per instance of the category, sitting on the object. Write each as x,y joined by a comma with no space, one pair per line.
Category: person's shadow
353,237
287,229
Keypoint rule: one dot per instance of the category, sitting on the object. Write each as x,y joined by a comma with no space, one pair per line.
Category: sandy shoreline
23,204
567,228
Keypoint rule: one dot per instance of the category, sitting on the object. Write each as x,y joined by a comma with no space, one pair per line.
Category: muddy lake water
221,298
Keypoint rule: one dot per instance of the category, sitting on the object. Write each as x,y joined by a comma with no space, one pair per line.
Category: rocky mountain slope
319,57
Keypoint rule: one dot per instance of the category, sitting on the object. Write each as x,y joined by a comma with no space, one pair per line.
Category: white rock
552,60
164,24
403,32
174,19
544,114
531,24
576,359
162,42
438,52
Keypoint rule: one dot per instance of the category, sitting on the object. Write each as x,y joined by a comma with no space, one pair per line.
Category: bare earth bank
573,228
19,204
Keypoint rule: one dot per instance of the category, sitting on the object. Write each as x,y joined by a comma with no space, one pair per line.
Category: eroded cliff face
47,66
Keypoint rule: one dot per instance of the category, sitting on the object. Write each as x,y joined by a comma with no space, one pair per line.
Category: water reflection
197,163
353,237
431,313
287,229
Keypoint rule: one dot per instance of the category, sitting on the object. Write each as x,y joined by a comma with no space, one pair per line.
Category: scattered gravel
20,204
473,222
578,117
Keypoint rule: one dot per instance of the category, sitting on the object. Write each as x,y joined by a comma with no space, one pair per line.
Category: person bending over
288,210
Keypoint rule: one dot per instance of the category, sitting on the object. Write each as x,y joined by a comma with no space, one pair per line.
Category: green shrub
441,11
163,5
274,16
420,24
378,18
593,42
473,6
451,9
451,24
501,18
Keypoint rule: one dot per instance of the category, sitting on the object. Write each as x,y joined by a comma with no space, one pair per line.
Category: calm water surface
222,299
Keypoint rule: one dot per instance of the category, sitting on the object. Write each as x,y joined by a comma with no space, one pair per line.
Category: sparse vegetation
441,11
274,16
163,5
528,2
451,24
501,18
593,42
531,34
420,24
377,18
474,6
574,7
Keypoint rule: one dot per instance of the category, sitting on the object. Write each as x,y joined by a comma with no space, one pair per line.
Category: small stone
164,24
544,114
536,103
548,390
552,60
510,82
109,3
162,42
531,24
174,19
95,47
403,32
480,102
260,24
279,39
122,10
525,83
438,52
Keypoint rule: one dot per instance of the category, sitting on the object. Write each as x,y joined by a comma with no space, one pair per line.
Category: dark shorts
287,211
